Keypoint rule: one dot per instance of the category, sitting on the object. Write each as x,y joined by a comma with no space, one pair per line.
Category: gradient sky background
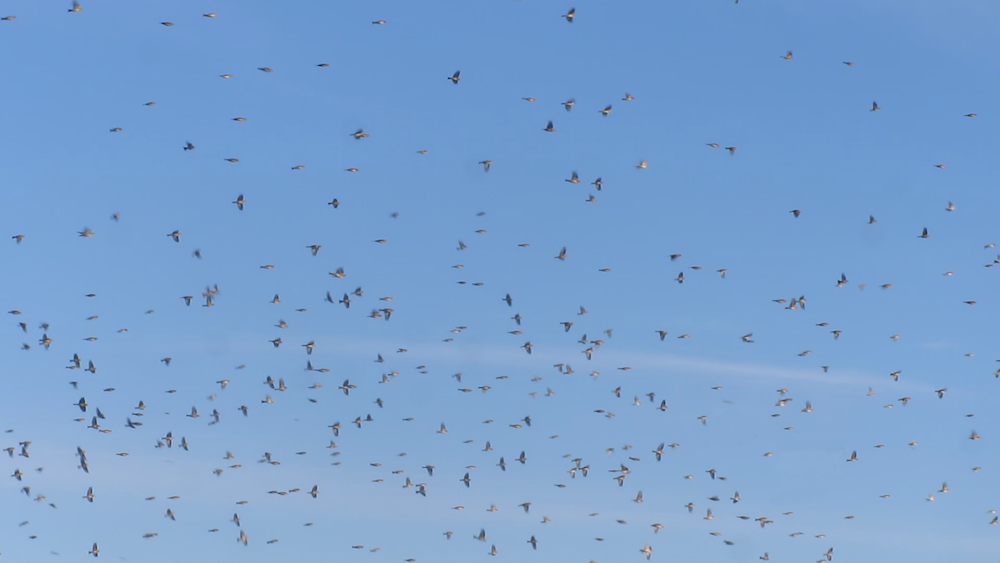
701,72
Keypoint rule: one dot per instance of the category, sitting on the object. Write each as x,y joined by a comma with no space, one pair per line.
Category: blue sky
700,73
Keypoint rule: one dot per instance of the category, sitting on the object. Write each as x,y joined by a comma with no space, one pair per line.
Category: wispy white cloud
607,359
